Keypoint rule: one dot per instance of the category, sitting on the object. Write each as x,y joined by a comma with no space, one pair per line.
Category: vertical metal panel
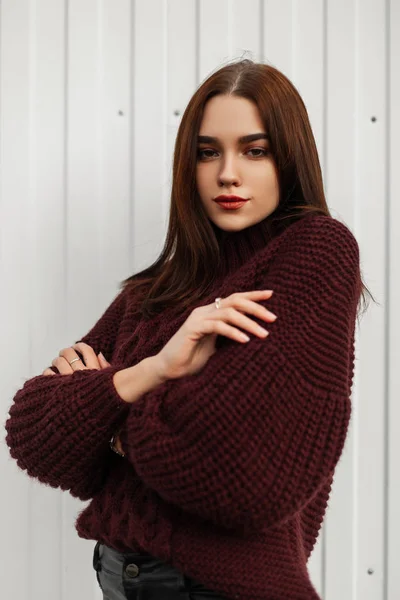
98,200
182,40
47,134
149,133
392,271
308,27
84,130
215,32
16,276
246,29
115,142
339,179
83,196
370,223
278,35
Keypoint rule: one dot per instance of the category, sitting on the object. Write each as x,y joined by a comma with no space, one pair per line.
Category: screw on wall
177,112
370,571
373,119
120,112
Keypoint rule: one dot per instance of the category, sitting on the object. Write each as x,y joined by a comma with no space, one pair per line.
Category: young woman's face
230,166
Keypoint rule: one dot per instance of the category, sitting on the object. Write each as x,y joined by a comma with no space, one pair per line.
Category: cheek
269,180
202,178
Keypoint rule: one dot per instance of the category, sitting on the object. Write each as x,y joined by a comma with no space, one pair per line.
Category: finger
222,328
238,319
254,308
63,366
255,295
243,304
90,359
48,372
103,362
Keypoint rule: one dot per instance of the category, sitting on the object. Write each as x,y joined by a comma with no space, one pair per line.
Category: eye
201,155
263,151
260,153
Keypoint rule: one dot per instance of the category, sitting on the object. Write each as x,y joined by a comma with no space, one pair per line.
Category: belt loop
96,557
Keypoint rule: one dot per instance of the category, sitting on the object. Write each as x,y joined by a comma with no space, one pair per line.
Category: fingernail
101,355
263,331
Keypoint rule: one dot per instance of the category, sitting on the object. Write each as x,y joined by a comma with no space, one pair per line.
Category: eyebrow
206,139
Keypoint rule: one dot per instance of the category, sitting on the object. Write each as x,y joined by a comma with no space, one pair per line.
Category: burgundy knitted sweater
227,472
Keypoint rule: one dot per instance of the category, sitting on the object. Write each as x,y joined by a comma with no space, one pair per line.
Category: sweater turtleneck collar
237,247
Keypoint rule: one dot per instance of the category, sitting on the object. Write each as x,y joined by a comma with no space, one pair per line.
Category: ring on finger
218,302
73,360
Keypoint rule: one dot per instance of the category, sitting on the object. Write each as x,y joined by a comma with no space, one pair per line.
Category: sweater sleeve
59,426
249,440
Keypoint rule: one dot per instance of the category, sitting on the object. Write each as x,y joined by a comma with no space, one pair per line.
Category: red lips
230,199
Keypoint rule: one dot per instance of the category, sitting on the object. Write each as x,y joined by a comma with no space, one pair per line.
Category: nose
228,174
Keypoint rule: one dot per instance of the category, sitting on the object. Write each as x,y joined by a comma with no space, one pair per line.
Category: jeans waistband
130,571
113,561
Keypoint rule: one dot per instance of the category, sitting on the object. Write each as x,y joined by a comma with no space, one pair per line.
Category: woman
225,446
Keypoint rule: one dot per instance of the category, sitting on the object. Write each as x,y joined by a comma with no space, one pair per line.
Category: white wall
91,96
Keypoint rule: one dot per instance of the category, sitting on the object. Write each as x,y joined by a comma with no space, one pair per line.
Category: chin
232,226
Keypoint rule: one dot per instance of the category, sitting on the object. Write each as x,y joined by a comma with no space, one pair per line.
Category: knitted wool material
228,472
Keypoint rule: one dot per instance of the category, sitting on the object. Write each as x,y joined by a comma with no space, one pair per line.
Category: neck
237,247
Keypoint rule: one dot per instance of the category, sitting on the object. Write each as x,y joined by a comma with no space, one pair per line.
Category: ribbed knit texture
228,472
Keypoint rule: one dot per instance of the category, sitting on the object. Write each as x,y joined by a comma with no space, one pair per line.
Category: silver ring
72,361
218,302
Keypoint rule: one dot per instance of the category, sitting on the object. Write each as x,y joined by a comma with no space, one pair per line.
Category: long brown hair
184,270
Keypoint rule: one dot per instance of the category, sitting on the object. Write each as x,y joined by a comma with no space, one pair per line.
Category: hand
92,361
192,345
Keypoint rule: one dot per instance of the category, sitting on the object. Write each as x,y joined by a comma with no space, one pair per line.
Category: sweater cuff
100,388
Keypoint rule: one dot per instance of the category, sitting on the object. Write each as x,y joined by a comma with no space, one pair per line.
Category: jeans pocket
97,563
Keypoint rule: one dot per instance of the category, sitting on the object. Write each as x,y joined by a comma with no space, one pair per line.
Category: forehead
230,117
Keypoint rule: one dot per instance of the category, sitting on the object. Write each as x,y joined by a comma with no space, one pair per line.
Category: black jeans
129,576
